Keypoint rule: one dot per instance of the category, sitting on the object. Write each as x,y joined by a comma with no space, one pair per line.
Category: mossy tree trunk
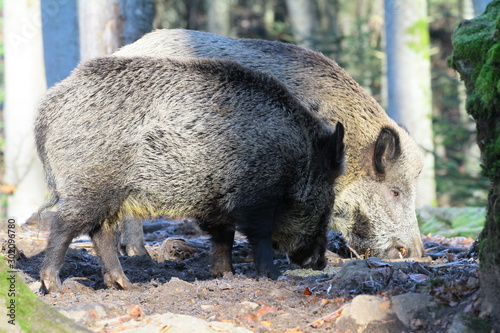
476,57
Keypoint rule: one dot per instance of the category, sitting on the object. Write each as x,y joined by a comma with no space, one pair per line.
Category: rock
365,309
168,322
89,314
250,305
177,285
411,306
407,312
468,324
369,314
357,275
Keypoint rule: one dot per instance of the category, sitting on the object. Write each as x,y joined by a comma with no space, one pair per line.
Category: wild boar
375,199
201,138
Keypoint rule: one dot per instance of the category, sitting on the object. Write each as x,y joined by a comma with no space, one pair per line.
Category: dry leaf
264,309
307,292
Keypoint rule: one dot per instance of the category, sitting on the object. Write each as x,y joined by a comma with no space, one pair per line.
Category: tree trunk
219,19
304,21
101,27
470,149
409,82
24,86
60,39
476,56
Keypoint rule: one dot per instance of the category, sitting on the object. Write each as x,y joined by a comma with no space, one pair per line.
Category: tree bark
476,56
409,82
24,86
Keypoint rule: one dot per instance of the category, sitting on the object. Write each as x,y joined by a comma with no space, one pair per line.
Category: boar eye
395,193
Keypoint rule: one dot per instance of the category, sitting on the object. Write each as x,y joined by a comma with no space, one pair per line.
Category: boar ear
332,148
339,145
387,149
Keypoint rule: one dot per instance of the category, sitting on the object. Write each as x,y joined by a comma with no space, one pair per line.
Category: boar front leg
257,224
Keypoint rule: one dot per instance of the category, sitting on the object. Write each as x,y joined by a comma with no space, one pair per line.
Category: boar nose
400,250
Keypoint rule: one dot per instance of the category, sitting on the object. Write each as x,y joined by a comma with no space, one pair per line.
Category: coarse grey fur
201,138
375,198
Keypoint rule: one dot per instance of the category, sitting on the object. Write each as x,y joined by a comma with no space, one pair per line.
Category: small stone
207,307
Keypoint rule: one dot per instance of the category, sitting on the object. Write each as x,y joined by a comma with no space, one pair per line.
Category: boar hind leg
131,239
257,223
104,239
61,234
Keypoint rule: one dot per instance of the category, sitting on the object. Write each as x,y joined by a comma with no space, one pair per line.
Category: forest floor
439,293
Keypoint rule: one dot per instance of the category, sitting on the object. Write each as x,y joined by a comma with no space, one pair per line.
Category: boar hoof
221,267
272,273
118,281
50,283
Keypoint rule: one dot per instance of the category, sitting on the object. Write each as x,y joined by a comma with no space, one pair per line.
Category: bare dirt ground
177,280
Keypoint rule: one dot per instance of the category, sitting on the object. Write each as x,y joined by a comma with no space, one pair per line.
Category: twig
354,251
329,317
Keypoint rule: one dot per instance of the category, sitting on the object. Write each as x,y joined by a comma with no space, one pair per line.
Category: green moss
473,39
476,56
31,314
488,78
421,42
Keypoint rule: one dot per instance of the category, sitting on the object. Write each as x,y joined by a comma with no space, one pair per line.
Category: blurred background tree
349,31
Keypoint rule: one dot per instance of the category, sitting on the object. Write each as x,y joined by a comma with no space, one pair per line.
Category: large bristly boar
375,199
201,138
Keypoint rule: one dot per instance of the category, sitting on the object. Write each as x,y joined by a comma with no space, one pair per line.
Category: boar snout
400,251
315,261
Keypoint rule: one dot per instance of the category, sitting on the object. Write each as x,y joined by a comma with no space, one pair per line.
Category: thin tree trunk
409,82
304,21
219,19
24,86
101,27
470,150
